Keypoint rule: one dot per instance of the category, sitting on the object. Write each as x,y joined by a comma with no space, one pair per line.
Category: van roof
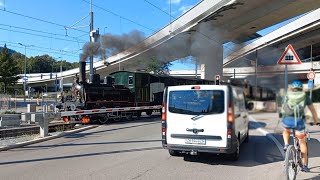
206,86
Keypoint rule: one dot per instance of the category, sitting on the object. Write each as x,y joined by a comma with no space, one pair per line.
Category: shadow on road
258,151
37,147
80,155
78,135
256,125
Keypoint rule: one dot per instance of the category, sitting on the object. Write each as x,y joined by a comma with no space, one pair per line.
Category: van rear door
197,115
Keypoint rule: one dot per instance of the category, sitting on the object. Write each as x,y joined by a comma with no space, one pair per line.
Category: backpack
294,104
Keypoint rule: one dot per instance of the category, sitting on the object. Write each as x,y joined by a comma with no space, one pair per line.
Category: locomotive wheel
138,114
129,117
104,119
117,118
149,113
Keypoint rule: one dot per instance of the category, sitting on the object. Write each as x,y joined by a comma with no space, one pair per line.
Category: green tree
8,69
156,66
40,64
19,58
47,64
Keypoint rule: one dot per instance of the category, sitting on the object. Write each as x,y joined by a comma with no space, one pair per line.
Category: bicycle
293,157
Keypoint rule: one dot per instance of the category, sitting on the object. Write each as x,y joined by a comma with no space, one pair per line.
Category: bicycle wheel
290,163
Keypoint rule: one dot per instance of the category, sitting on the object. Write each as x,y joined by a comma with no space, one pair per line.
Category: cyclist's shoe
285,147
305,168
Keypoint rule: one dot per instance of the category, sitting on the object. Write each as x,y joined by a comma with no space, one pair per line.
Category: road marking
270,136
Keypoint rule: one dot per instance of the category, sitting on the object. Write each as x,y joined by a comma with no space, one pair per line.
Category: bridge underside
200,33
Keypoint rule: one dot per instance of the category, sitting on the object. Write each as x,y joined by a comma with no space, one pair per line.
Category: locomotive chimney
82,71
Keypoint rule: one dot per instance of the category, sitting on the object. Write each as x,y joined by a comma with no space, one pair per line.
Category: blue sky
115,17
110,17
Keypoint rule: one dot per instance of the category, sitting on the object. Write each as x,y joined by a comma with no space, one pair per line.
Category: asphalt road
132,150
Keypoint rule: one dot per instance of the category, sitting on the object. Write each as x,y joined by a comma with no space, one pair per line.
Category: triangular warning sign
289,56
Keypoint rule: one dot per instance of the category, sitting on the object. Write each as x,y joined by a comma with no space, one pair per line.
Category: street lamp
52,66
25,70
55,82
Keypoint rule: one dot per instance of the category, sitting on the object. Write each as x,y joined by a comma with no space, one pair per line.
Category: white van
204,118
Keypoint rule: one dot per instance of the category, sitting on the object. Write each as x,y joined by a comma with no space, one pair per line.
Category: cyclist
293,117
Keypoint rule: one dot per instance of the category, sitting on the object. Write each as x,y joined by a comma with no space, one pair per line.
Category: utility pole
91,40
25,74
61,79
25,70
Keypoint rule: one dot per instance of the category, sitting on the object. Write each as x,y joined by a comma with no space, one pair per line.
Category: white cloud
184,9
1,4
174,1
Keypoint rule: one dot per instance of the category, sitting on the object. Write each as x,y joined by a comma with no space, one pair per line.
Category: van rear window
195,102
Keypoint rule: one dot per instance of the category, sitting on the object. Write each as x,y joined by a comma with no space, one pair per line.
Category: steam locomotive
133,89
119,89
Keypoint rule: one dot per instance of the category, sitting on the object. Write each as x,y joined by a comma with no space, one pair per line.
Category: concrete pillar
33,118
26,117
211,63
31,108
44,125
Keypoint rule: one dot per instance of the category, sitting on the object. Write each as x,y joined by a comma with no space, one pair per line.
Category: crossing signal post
217,79
289,56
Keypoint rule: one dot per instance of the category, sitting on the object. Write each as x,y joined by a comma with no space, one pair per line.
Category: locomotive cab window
130,80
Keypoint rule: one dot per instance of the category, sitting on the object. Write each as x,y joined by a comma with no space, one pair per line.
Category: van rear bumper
208,149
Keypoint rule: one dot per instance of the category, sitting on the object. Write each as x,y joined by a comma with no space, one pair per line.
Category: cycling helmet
296,84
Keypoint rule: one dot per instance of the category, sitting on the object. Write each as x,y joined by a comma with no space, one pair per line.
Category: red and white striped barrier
107,110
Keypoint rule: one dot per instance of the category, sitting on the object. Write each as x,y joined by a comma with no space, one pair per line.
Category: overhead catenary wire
62,52
45,21
38,35
158,8
38,19
44,32
125,18
45,51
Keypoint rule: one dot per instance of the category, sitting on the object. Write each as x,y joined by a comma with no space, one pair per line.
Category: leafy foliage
8,69
157,67
47,64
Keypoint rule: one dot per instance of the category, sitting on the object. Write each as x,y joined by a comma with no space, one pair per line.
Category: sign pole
311,92
311,70
286,79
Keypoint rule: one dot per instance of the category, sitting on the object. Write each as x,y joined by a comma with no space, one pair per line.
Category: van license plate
195,141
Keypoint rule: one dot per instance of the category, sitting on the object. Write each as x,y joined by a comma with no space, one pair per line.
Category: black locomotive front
94,95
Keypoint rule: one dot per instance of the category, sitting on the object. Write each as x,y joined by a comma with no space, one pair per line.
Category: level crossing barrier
43,118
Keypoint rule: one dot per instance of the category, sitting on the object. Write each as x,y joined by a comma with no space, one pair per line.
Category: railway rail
34,129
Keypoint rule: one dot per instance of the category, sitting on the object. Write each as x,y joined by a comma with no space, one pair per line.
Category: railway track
35,129
60,126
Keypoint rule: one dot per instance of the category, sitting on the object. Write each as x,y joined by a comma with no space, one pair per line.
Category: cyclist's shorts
289,123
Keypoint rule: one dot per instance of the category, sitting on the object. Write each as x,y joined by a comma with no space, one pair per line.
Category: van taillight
164,130
164,112
195,87
164,119
230,116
